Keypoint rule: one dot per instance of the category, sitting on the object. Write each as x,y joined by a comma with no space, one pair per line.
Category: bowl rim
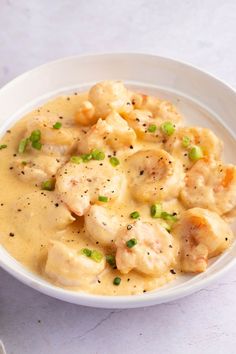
105,301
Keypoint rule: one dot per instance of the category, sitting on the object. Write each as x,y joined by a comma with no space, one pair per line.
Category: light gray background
202,32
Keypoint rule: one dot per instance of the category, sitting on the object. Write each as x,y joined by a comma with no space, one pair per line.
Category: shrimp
154,175
85,114
54,141
140,121
102,225
81,185
153,252
202,234
113,132
70,267
210,184
37,169
107,96
161,109
184,138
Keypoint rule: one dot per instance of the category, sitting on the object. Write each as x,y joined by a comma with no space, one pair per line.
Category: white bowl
205,101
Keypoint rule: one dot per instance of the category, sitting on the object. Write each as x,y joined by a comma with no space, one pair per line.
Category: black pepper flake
173,271
11,234
226,239
11,168
128,279
131,147
141,172
99,281
129,227
8,131
56,205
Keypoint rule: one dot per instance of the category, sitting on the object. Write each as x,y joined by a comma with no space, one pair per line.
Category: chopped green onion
76,159
3,146
48,185
87,252
116,281
24,163
156,210
131,243
102,198
96,256
111,260
168,128
86,157
152,128
36,145
97,154
186,141
22,145
35,136
57,125
114,161
168,216
135,215
195,153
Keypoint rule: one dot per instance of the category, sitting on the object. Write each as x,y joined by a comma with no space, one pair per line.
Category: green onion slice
86,252
156,210
48,185
152,128
37,145
117,281
57,125
96,256
186,141
135,215
131,243
97,154
35,136
195,153
3,146
168,128
22,145
114,161
102,198
86,157
76,159
110,258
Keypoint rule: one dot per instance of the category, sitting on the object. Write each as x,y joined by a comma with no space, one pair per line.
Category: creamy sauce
31,218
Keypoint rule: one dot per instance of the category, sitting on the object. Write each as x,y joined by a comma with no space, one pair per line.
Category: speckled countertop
198,31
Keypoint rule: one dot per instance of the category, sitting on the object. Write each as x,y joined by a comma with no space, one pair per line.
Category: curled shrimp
153,252
184,138
113,133
210,184
162,110
154,175
69,267
80,185
108,96
102,225
37,169
202,234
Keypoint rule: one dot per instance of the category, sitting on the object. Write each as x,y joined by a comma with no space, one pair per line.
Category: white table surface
202,32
